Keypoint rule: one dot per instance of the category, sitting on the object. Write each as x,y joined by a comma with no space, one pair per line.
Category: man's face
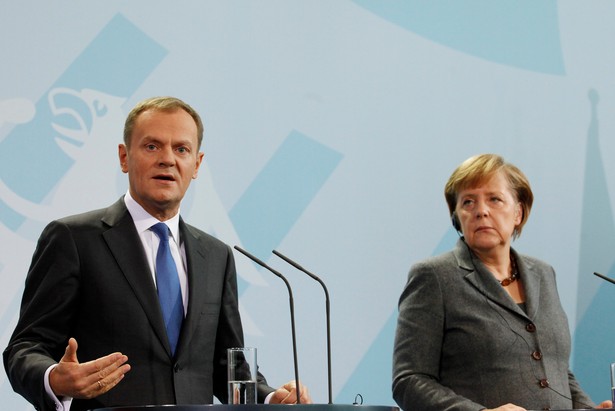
161,161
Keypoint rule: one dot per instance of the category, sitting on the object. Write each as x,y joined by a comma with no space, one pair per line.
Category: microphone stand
292,312
328,315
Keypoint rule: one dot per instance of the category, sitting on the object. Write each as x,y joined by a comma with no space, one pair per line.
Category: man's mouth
164,178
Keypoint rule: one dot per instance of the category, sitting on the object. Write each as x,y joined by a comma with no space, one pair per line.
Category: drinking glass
242,375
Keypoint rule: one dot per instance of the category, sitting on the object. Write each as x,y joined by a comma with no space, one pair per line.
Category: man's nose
165,156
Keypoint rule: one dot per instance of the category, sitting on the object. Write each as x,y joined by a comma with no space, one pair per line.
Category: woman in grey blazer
482,325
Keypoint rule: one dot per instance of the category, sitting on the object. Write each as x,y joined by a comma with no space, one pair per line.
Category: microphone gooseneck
604,277
292,312
327,302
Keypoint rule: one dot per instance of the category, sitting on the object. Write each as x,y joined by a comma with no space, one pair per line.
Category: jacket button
530,327
544,383
176,368
537,355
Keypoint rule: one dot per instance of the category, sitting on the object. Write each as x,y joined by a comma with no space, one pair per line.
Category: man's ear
199,160
122,153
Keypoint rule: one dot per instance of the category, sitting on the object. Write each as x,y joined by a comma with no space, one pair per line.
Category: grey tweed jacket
463,344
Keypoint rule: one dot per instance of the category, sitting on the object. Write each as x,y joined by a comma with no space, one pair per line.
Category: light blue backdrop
331,128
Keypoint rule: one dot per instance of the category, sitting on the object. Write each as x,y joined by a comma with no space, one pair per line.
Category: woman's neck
496,261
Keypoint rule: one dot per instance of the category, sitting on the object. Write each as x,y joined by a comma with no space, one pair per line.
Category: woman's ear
518,214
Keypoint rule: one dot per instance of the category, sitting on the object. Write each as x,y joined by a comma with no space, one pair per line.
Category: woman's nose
482,210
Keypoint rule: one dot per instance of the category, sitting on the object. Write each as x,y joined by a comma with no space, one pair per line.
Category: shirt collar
143,220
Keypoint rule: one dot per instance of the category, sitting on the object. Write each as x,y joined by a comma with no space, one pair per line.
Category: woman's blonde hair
479,169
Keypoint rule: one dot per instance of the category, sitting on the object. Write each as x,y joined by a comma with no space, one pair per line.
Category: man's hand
88,380
287,394
605,404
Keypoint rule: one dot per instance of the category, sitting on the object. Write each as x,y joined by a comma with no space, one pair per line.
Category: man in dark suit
91,332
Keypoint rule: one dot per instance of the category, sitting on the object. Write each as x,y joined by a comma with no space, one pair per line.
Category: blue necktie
169,291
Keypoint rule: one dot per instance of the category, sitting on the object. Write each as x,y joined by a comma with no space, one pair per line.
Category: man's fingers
305,395
106,383
70,354
291,398
103,371
103,366
89,379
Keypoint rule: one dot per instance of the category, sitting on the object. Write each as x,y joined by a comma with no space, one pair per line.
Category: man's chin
162,205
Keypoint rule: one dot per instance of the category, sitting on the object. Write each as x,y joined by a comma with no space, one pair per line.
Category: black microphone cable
491,305
535,373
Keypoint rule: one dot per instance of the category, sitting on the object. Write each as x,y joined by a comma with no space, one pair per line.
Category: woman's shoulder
436,260
441,265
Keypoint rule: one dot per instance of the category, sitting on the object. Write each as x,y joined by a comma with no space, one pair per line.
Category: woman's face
488,214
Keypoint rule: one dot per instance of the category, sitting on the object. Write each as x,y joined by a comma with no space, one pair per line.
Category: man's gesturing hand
90,379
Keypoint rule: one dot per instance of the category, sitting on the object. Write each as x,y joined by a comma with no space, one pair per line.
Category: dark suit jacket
89,279
463,344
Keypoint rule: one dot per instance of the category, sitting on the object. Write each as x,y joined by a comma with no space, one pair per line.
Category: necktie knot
162,231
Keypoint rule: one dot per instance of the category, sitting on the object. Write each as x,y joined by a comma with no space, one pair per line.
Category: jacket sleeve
580,400
230,334
418,347
43,328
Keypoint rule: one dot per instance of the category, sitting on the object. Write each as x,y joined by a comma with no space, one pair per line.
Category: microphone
604,277
327,304
292,312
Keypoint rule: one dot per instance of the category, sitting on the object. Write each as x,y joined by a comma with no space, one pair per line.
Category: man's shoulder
82,218
203,237
114,211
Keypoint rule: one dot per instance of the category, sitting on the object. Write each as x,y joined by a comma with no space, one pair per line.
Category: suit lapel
482,279
531,284
196,265
125,245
